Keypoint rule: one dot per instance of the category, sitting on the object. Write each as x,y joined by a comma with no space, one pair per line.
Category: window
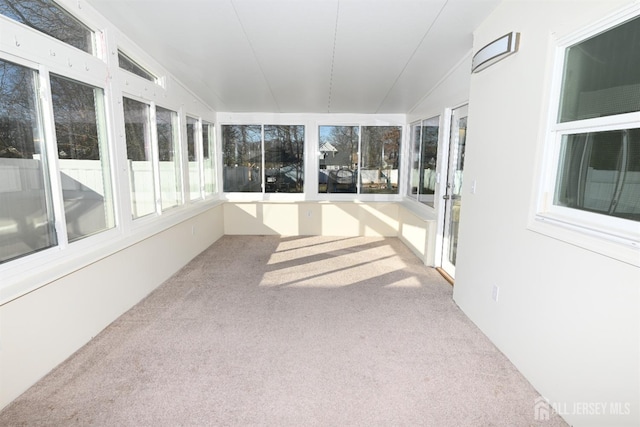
595,168
209,158
284,160
49,18
281,153
342,169
600,172
131,66
79,116
380,157
26,214
338,168
194,154
169,158
242,157
140,158
424,158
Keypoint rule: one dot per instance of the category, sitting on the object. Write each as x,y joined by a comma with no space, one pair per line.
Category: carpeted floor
288,331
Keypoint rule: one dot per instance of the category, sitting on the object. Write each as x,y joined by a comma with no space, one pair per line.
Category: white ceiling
313,56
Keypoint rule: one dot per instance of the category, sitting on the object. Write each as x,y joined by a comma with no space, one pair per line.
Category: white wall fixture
495,51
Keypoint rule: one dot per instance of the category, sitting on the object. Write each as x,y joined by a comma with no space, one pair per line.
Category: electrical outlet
495,293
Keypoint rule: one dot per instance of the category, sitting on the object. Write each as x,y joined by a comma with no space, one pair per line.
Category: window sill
621,248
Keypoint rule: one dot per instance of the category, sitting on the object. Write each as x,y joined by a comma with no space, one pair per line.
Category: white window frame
615,237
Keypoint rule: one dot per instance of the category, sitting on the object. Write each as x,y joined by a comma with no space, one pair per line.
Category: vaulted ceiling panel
375,43
339,56
293,43
442,49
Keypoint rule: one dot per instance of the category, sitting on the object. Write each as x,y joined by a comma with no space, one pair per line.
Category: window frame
615,237
50,193
359,194
261,195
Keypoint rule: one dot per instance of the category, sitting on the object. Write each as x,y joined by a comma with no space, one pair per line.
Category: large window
281,152
139,155
596,139
424,158
169,156
26,215
79,116
284,160
362,159
380,157
51,19
338,164
242,157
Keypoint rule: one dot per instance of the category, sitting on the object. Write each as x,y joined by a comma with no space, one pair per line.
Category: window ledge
422,211
620,247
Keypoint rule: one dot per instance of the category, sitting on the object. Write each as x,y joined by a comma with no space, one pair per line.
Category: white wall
568,318
41,329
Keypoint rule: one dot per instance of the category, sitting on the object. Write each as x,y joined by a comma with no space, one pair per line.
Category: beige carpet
288,331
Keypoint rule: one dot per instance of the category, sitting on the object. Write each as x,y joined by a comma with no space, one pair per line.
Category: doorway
453,189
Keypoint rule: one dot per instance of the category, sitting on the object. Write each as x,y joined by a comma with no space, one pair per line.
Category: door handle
446,197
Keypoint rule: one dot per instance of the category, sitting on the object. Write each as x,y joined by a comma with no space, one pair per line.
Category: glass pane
128,64
169,156
601,75
284,158
51,19
242,158
209,159
600,172
338,168
194,164
138,138
428,160
26,217
380,159
78,112
457,150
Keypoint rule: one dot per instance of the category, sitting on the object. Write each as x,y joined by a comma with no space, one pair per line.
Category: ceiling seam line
333,57
235,11
442,80
413,54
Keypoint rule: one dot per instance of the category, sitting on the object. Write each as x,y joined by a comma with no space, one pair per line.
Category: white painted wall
41,329
568,318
